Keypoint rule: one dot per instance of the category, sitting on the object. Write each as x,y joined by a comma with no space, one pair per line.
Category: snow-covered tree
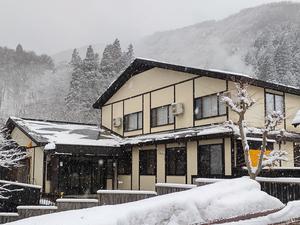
11,156
240,106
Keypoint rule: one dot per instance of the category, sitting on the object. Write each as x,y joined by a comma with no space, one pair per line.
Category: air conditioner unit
117,122
177,108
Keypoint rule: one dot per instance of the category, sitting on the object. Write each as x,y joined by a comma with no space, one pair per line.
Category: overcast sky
50,26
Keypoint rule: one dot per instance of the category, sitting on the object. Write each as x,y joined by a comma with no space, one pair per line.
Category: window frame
127,155
201,107
274,102
177,157
144,171
169,122
126,129
209,174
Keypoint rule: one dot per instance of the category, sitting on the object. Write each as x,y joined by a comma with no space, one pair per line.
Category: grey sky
49,26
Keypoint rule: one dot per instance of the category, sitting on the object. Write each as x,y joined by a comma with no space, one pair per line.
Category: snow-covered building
159,123
172,118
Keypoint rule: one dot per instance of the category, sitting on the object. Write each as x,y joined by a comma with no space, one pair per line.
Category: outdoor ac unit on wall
117,122
177,108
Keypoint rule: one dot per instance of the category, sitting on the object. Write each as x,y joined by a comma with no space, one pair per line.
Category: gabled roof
43,132
140,65
296,120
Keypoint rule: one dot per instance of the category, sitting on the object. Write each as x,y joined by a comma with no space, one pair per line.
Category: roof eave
140,65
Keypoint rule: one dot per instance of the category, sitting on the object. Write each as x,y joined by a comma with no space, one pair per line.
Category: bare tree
240,106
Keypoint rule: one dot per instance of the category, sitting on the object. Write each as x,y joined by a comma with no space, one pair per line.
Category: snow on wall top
63,133
296,120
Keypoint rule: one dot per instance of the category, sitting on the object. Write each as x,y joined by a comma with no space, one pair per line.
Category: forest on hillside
33,87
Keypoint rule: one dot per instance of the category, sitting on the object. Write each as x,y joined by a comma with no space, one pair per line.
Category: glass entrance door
210,160
82,175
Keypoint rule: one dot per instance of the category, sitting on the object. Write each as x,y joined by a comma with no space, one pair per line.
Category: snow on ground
290,212
224,199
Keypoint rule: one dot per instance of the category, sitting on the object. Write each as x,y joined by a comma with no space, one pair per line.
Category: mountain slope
222,44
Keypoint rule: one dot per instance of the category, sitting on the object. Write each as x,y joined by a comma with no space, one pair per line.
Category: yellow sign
254,156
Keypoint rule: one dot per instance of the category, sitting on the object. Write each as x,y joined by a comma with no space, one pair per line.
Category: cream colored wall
292,104
21,138
192,157
256,114
109,184
135,168
147,183
149,80
227,156
176,179
106,116
36,156
162,97
124,182
161,153
133,105
132,133
214,120
289,147
118,113
146,115
184,94
207,86
210,141
162,128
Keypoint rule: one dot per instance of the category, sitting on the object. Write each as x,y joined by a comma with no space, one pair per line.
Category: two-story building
172,122
159,123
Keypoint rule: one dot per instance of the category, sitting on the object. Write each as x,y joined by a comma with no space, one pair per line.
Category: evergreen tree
75,59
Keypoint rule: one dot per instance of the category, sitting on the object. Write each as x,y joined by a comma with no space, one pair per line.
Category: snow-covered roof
177,135
296,120
53,133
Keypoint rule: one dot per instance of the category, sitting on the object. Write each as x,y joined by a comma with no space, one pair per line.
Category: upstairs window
209,106
176,161
133,121
274,102
161,116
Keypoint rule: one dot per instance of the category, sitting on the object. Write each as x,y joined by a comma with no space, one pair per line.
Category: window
274,103
133,121
176,161
124,163
147,162
209,106
210,160
162,116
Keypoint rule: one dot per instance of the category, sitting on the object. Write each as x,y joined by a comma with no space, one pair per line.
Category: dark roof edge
11,124
140,65
59,121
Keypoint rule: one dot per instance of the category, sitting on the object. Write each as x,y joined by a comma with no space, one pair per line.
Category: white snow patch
50,146
225,199
20,184
288,213
77,200
126,192
175,185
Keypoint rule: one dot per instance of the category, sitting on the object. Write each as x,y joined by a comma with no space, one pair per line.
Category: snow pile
288,213
224,199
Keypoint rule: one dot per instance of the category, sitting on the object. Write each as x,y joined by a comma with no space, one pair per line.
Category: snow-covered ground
224,199
290,212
